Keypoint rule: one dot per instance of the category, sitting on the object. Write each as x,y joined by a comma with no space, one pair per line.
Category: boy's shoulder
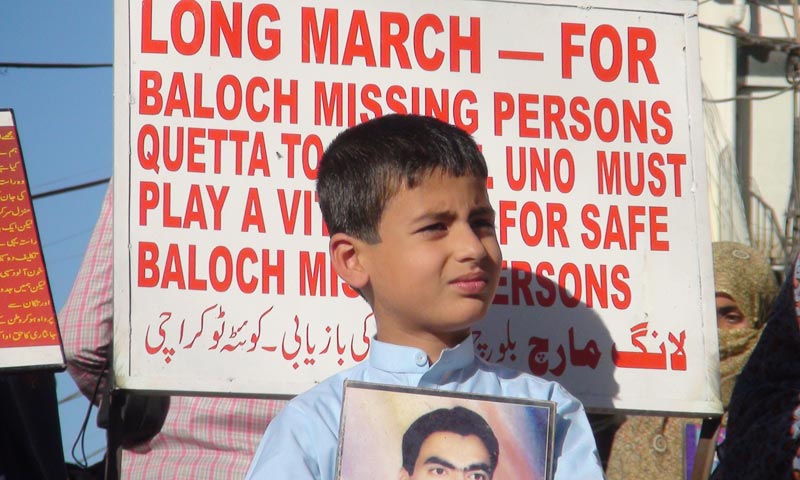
512,382
327,392
474,375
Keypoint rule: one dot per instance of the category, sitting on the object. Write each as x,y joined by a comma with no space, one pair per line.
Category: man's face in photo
448,455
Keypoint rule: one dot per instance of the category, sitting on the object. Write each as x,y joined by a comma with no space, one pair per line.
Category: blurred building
750,67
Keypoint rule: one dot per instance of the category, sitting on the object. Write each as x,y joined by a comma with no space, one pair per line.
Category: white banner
590,120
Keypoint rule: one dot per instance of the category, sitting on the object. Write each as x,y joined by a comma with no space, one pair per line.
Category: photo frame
377,420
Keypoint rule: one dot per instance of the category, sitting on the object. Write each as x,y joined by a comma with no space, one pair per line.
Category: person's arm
576,456
86,318
287,449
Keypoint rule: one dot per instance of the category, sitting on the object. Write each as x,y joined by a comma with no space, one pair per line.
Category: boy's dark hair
366,164
459,420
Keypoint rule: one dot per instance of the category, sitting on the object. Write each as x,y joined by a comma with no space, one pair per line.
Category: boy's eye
483,224
434,227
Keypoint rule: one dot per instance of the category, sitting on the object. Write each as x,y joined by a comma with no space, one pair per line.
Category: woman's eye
734,318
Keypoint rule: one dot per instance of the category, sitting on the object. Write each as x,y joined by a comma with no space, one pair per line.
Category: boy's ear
345,254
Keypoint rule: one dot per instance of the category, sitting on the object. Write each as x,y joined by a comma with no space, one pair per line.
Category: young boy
412,229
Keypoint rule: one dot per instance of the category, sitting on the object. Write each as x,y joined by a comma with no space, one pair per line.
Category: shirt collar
403,359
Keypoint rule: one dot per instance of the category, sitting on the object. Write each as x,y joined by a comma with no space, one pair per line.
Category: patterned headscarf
763,436
654,447
744,274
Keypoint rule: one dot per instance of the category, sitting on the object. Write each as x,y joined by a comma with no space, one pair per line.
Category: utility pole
793,77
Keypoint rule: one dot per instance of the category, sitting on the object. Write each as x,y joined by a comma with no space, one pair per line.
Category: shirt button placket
421,359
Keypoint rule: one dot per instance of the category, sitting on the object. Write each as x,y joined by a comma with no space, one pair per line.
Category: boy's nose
469,245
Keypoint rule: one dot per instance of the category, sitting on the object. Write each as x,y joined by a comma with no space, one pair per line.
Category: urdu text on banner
590,120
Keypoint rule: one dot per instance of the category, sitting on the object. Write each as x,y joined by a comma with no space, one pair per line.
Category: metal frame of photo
375,417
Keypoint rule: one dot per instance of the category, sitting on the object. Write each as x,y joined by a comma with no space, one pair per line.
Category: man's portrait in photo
417,434
449,443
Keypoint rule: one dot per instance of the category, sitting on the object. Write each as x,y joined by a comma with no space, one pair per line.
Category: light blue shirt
301,441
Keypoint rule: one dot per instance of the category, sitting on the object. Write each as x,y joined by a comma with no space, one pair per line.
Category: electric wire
749,97
72,188
59,66
778,43
71,176
72,396
70,236
81,437
65,258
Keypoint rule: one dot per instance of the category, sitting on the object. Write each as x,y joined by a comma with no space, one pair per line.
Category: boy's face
435,269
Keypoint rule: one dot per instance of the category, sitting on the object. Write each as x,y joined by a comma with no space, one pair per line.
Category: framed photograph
405,433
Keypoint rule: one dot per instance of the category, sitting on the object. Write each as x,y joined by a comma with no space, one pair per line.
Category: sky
64,121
